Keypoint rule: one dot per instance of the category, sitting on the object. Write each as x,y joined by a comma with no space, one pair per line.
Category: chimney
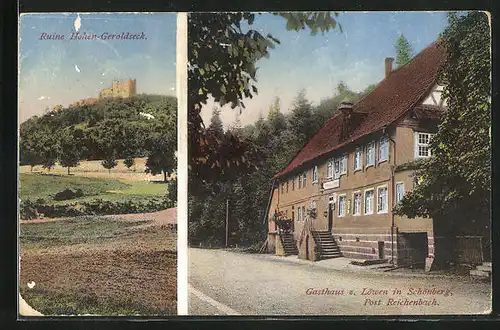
388,66
345,108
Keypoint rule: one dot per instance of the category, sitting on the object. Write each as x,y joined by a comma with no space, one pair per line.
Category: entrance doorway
331,209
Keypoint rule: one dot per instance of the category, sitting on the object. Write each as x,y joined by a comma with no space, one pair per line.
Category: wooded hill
111,129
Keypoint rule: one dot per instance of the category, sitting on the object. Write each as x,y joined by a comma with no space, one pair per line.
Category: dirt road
223,282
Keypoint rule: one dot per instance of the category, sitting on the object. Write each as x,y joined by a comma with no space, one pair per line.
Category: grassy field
35,186
99,266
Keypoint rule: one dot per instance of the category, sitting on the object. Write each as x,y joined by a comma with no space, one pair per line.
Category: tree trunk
68,170
164,176
31,166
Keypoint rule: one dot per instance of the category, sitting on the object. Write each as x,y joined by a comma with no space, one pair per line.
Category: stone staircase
326,247
289,244
482,271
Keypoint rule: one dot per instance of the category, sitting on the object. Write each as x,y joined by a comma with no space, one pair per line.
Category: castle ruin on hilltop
120,88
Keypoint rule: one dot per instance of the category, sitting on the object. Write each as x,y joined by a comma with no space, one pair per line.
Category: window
357,204
304,179
369,201
286,185
329,169
341,206
383,151
282,187
300,181
336,168
400,191
422,145
370,154
299,214
343,164
358,159
382,199
315,174
293,184
303,212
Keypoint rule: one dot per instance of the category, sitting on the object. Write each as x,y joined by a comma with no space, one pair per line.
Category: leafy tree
109,162
455,183
222,64
275,117
71,149
404,51
129,161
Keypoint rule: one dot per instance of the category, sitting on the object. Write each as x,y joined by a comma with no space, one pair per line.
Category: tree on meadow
71,148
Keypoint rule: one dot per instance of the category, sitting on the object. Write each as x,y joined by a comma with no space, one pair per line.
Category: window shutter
415,144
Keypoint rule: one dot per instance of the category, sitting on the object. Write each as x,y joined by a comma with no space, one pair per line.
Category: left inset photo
97,184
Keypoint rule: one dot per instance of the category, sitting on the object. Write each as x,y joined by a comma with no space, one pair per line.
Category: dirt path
160,218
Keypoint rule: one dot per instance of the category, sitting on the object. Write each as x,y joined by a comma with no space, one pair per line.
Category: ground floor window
341,207
357,203
369,201
382,199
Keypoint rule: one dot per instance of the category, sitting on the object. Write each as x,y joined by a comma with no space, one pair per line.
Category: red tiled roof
392,98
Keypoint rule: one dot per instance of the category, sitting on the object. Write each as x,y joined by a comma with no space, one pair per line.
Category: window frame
383,138
418,144
300,181
386,210
402,184
372,190
299,214
304,179
315,176
373,149
329,169
360,158
341,206
344,160
354,194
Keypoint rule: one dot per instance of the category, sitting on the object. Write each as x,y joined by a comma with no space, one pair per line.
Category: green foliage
222,64
109,162
129,161
404,51
111,126
216,122
455,182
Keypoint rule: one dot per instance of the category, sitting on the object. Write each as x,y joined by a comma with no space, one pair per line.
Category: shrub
64,195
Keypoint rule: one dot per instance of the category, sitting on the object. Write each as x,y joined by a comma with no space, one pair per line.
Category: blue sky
48,68
318,63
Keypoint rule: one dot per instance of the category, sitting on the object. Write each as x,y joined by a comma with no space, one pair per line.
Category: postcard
339,163
97,164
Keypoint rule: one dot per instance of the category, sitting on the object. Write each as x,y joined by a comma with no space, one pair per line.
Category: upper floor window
329,169
340,166
400,191
358,158
303,212
300,180
383,149
357,204
422,145
341,206
315,174
293,184
287,186
369,201
370,154
304,179
382,199
282,187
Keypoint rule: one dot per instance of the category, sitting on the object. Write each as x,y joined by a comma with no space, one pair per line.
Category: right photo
339,163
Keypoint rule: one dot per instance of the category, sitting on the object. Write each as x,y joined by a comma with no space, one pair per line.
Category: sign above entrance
331,184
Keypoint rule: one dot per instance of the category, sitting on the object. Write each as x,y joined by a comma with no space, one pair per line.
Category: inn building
338,192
